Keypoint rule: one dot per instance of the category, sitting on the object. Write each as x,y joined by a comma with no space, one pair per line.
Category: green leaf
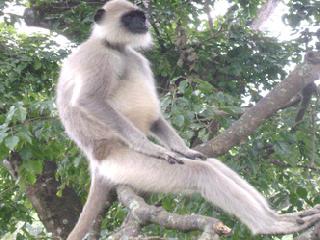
10,114
77,161
30,178
182,86
26,153
316,200
11,142
204,86
22,113
3,135
59,192
25,135
33,166
179,120
302,192
20,237
37,65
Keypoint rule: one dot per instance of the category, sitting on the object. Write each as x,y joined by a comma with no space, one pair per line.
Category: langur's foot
290,223
191,154
305,213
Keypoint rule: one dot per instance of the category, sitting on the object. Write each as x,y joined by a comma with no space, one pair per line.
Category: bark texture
58,214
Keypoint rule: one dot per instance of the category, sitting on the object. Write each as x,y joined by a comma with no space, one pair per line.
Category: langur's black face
121,22
135,21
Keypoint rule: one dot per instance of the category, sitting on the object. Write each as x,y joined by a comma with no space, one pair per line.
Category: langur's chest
137,99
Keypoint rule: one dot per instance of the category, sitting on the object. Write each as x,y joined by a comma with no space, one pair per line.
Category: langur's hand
150,149
167,155
191,154
172,158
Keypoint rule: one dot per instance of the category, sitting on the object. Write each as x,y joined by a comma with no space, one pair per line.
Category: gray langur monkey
107,101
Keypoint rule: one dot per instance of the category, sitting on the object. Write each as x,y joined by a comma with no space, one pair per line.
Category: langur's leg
97,197
216,184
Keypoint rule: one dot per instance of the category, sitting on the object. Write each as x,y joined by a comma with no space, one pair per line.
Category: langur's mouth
140,29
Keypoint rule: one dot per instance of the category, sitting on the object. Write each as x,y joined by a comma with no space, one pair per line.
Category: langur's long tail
215,181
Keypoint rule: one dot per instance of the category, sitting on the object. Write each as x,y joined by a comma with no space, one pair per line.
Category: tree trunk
58,214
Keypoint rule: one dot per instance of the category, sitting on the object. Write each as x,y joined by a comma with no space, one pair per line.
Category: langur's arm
168,136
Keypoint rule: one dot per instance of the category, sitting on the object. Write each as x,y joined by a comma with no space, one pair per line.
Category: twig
207,10
287,165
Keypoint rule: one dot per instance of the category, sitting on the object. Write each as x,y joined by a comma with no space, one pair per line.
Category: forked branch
142,214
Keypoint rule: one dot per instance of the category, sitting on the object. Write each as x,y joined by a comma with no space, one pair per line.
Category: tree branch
287,165
315,235
207,9
302,75
142,214
264,13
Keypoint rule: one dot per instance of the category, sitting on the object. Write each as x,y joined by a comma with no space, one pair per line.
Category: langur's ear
99,15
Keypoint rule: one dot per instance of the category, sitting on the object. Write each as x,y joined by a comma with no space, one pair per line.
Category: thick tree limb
305,235
58,214
142,214
315,235
310,234
207,9
302,75
264,13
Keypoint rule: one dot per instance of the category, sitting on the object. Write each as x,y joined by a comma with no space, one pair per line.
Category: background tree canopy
209,72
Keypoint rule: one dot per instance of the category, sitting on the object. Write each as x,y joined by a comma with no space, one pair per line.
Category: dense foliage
208,75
